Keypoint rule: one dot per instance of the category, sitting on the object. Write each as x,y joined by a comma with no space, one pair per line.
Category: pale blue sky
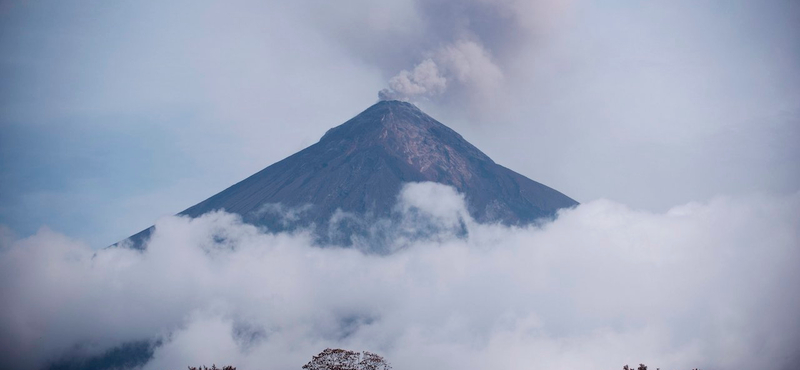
114,114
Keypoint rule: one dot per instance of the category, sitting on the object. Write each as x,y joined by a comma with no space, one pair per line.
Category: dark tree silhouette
641,367
342,359
213,367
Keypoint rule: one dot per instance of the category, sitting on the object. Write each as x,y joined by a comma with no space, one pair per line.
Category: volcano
360,166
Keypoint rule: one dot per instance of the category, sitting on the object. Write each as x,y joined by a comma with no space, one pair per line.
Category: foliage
341,359
641,367
213,367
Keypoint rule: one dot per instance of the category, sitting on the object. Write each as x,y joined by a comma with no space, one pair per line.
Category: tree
641,367
342,359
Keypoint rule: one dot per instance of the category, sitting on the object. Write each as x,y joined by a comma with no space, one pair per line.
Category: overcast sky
114,114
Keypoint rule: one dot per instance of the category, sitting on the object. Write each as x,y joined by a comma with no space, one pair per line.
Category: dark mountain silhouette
359,168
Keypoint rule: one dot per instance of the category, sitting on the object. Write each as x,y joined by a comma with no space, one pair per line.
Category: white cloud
442,203
703,285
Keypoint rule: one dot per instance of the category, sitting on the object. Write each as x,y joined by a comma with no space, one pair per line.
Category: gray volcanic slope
360,166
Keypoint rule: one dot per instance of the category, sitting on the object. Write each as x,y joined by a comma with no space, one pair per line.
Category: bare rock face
359,168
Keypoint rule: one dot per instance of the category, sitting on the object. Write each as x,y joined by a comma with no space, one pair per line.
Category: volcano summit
359,167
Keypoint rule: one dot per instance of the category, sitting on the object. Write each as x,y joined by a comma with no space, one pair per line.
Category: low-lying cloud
709,285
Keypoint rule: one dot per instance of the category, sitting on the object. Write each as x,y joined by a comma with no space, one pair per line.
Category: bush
341,359
213,367
641,367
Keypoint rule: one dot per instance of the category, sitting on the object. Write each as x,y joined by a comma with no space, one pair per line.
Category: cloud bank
709,285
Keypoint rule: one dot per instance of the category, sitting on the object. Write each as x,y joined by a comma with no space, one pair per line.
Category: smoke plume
464,46
465,64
